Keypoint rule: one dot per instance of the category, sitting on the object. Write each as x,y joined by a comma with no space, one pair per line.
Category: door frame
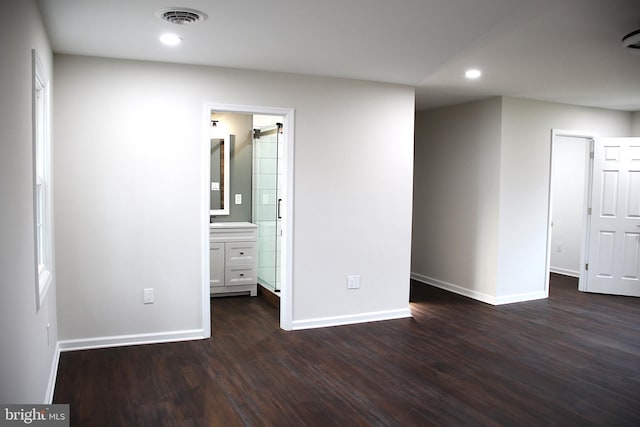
286,268
586,221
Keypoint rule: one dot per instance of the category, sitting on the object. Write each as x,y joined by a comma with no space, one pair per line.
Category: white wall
482,193
456,187
570,157
524,185
128,206
635,124
26,359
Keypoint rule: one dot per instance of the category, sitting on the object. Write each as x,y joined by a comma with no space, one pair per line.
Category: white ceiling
565,51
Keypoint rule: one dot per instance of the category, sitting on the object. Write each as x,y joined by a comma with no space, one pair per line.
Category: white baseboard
479,296
53,375
456,289
323,322
564,271
134,339
530,296
113,341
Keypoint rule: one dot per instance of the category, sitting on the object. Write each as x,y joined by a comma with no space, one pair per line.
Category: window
42,179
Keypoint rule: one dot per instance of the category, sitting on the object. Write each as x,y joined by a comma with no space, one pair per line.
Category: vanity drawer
240,275
240,253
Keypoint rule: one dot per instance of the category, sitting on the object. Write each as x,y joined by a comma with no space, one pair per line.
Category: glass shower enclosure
267,201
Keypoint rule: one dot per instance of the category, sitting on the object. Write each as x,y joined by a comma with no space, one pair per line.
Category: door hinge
589,211
586,266
591,155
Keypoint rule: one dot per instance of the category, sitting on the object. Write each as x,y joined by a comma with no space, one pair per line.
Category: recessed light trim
170,39
473,73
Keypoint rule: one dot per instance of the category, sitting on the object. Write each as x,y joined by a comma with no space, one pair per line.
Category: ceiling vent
181,16
631,42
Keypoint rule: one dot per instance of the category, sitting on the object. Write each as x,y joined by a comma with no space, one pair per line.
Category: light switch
238,199
215,186
148,295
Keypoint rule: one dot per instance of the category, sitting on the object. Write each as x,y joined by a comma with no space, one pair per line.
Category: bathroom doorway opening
271,200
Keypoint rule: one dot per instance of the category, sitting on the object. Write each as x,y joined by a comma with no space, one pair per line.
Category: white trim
53,375
204,225
286,272
114,341
323,322
586,223
133,339
478,296
564,271
530,296
456,289
42,178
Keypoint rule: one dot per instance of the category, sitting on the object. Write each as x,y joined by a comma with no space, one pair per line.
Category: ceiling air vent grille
181,16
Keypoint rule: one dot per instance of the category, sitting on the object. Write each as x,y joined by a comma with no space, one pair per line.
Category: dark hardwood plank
573,359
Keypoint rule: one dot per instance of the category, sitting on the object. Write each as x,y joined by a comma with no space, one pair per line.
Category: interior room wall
635,124
570,157
456,187
241,126
27,356
482,193
524,185
128,201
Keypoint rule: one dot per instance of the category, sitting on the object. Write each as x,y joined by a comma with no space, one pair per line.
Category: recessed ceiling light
170,39
473,73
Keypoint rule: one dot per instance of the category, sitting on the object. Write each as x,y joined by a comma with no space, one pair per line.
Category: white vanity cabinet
233,258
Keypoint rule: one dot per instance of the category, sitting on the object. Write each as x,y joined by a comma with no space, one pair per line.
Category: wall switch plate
148,295
353,282
238,199
215,186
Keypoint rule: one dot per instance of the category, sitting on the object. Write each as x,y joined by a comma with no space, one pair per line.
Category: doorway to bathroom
269,135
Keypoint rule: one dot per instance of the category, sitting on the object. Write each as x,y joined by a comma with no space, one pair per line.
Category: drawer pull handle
241,253
241,274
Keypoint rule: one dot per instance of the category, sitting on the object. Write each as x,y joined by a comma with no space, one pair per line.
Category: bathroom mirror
219,148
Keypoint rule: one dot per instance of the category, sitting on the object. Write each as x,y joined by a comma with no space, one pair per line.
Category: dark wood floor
571,360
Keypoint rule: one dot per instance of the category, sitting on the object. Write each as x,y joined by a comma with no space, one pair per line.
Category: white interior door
614,233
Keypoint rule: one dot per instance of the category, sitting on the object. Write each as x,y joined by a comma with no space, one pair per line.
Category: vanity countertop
223,225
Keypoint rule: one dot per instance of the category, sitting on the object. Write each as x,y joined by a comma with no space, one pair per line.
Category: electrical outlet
353,282
238,199
148,295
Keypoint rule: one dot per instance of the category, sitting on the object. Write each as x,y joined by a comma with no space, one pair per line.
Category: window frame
42,205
